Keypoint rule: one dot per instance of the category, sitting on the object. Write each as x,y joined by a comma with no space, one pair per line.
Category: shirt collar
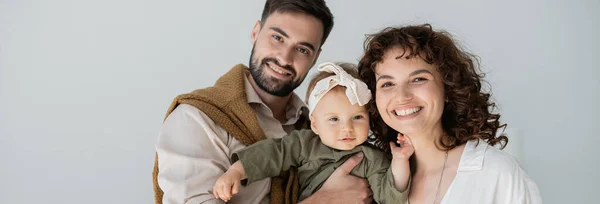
293,111
473,154
251,94
295,108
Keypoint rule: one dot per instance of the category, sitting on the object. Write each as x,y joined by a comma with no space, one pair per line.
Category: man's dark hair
315,8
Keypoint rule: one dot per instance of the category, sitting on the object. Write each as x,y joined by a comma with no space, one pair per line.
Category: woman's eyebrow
384,77
420,71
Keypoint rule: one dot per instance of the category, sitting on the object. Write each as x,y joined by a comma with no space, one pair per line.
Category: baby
339,129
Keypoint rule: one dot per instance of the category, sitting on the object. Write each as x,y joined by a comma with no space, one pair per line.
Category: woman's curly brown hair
467,114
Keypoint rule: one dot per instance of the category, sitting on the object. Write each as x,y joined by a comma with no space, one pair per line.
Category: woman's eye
420,79
358,117
386,84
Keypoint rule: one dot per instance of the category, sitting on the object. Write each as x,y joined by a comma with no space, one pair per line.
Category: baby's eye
333,119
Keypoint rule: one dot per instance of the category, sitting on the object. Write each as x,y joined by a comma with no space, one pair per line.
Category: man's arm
343,188
192,154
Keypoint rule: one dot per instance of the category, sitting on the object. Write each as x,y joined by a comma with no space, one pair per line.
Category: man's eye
302,50
277,37
333,119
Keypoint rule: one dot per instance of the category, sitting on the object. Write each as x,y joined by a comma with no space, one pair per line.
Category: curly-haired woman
428,91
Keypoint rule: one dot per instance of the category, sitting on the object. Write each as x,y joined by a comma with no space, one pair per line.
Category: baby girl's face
339,124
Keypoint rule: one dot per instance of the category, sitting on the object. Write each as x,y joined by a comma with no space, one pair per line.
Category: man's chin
274,86
277,92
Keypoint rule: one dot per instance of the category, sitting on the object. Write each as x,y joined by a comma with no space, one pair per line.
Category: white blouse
488,175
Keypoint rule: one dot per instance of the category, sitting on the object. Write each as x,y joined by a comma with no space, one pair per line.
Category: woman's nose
403,93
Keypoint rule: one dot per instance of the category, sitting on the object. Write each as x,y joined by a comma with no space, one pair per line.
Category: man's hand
343,188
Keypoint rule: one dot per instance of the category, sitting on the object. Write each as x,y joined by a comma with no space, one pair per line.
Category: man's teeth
277,70
406,112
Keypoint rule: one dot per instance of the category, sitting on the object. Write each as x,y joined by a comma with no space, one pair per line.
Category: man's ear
313,127
255,32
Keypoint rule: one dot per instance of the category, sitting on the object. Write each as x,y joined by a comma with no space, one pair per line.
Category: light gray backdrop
84,85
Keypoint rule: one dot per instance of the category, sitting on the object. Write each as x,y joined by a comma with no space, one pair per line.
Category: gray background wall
84,85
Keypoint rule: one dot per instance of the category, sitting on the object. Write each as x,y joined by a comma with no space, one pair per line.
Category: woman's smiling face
409,93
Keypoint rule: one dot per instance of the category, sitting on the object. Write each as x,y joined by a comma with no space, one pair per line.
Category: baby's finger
236,187
227,191
401,140
215,192
400,136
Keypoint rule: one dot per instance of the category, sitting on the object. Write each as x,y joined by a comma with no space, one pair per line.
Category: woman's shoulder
498,160
497,171
479,155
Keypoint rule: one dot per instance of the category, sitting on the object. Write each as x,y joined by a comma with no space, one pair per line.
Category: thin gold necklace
437,190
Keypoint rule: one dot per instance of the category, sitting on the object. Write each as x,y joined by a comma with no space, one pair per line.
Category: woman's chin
408,130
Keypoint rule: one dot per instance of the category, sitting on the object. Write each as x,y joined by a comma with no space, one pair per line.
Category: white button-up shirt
193,152
487,175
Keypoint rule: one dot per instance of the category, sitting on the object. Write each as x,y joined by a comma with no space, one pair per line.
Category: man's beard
269,84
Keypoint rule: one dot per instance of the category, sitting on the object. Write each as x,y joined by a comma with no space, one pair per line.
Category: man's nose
285,57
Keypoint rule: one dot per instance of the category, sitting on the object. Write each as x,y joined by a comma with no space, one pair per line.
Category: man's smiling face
285,47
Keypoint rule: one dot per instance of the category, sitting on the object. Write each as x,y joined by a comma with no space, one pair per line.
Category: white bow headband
356,90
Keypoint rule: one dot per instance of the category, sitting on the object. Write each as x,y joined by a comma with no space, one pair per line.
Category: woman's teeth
407,112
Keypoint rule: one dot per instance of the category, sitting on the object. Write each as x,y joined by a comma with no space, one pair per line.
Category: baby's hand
227,185
405,150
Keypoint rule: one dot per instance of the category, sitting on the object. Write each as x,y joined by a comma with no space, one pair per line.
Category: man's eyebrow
307,44
276,29
310,46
